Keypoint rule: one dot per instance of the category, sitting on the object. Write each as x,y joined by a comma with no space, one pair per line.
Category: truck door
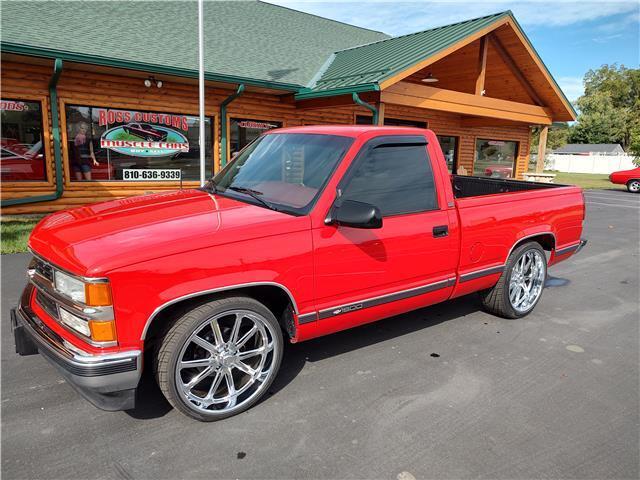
410,260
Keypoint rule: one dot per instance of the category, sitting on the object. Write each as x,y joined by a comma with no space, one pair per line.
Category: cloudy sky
571,37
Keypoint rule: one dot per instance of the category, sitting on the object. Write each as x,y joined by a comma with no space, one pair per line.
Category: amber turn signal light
97,294
103,331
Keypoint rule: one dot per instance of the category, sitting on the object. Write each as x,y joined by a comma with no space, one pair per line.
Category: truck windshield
283,171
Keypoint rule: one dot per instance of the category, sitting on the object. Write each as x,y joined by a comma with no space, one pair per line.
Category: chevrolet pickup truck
308,231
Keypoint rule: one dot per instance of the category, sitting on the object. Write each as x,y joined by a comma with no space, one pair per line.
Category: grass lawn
585,180
14,232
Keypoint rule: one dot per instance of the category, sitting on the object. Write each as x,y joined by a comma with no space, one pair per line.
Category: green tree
610,108
556,137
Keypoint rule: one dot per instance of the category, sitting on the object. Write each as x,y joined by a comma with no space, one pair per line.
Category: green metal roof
251,42
368,65
248,41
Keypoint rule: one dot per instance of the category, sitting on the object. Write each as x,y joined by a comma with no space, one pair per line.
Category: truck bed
468,186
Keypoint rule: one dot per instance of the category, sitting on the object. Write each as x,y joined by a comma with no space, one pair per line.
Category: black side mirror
350,213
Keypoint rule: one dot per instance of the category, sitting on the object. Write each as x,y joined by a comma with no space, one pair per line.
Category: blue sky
571,37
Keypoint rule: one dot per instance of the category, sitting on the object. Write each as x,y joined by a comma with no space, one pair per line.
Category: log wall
83,87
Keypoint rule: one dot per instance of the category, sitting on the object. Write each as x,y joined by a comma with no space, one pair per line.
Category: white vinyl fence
588,163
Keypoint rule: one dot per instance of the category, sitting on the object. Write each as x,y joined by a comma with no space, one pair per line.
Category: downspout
223,123
57,150
364,104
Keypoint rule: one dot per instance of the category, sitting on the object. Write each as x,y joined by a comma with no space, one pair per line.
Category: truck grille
48,305
44,269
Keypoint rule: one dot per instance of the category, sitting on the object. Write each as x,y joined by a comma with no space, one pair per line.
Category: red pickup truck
308,231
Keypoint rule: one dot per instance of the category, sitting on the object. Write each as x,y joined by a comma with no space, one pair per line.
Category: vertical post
201,89
482,66
542,149
380,113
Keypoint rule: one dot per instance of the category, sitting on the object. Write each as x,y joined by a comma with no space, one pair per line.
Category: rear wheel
633,186
520,287
220,358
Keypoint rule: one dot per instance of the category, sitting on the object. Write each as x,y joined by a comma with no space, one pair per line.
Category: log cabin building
99,99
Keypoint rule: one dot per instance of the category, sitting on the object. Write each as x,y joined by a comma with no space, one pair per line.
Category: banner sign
256,125
109,116
13,106
144,140
160,174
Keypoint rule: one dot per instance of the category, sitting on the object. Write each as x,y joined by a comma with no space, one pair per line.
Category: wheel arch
274,296
547,241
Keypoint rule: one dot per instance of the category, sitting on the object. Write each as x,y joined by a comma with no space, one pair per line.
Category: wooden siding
83,86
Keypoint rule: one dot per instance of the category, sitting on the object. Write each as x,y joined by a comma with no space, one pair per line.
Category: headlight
92,294
70,286
77,323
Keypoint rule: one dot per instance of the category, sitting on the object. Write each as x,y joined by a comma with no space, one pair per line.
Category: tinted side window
397,179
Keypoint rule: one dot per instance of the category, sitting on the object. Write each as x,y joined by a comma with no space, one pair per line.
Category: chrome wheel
527,280
634,186
226,362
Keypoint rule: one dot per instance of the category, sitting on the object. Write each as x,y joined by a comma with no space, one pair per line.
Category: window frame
499,139
66,159
47,142
456,153
381,142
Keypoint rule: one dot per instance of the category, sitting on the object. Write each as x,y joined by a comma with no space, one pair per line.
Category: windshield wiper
255,195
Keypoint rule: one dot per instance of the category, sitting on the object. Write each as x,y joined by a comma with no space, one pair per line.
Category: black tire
633,185
496,300
173,343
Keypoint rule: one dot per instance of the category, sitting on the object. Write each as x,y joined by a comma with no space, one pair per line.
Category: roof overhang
13,48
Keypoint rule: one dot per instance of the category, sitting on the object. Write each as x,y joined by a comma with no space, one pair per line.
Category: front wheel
220,358
520,287
633,186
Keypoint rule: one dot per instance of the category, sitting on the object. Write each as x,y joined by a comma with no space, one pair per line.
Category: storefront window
449,146
495,158
391,122
22,155
113,144
244,131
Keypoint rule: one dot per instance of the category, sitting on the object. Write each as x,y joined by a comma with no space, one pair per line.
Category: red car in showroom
308,231
146,131
630,178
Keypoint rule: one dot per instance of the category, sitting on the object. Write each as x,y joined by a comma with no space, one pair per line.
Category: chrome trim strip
570,248
307,318
216,290
381,300
481,273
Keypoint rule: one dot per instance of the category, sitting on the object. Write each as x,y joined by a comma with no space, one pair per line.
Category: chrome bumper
108,380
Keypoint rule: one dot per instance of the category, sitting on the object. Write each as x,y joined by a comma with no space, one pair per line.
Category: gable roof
582,148
373,63
374,66
243,39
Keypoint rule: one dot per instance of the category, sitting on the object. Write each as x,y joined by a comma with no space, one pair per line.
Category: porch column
542,149
380,107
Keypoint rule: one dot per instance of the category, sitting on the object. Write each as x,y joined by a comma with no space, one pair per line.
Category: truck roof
351,130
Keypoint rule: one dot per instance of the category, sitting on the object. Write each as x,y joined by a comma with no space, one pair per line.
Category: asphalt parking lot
445,392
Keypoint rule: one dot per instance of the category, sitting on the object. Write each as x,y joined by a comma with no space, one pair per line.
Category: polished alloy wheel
634,186
226,362
527,280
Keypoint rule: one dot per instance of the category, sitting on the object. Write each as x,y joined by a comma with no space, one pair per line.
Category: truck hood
96,239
